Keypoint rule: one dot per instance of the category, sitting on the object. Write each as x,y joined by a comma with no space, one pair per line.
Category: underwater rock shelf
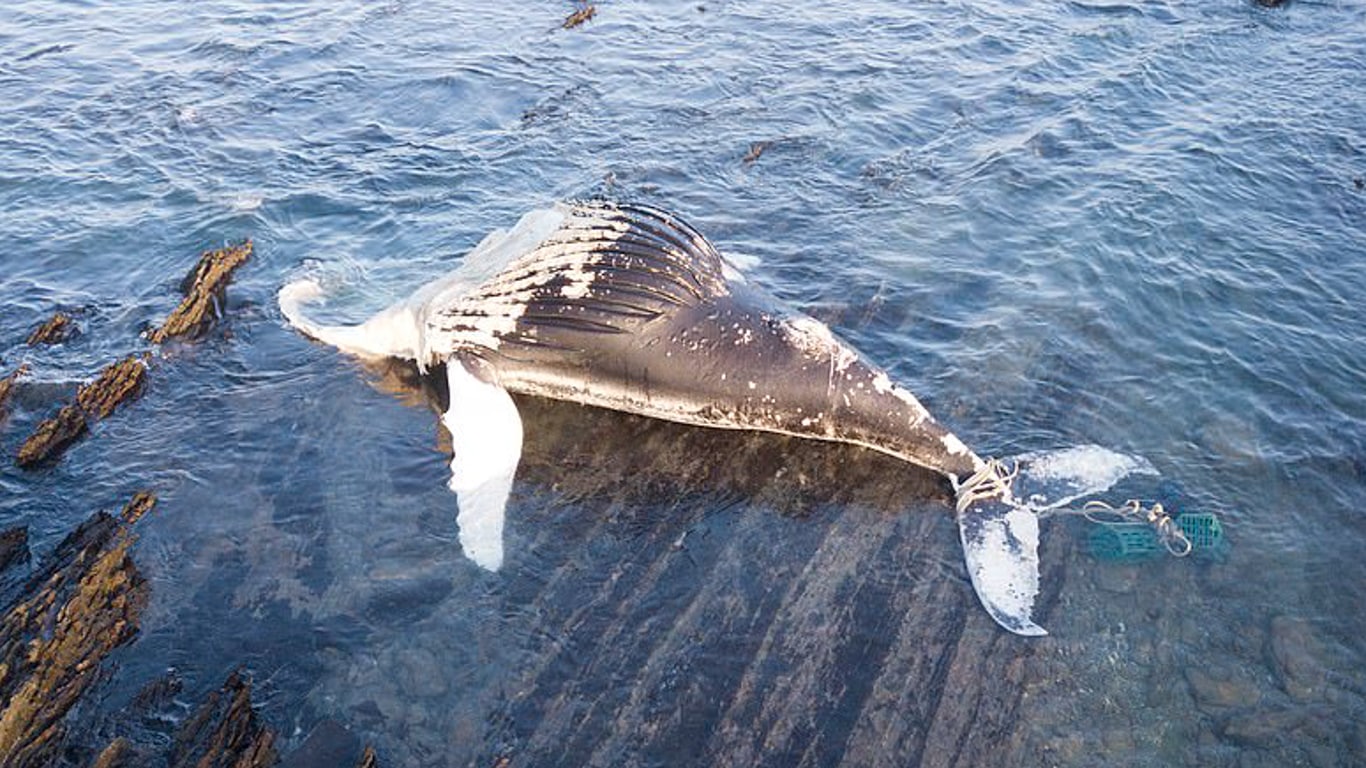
848,641
13,547
84,601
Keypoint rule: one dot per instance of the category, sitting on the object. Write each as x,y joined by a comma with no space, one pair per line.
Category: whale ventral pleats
608,268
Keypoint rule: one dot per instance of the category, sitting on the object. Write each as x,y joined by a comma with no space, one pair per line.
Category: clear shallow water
1138,225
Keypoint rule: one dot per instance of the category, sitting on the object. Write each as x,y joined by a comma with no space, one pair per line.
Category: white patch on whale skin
580,283
816,340
515,265
883,385
953,445
498,317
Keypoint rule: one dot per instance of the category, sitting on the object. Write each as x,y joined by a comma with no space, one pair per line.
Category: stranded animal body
627,307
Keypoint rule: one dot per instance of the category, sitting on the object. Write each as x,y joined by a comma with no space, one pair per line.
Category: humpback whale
626,306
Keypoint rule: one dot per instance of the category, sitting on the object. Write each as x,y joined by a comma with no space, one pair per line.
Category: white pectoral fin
1001,546
486,433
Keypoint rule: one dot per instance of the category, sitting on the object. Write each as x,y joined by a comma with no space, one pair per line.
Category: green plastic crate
1133,541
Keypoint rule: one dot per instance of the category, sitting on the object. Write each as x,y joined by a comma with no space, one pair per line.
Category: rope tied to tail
991,481
995,478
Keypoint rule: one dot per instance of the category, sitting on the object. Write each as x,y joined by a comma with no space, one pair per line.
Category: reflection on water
1130,225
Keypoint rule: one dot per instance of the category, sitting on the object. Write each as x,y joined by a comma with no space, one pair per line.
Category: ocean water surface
1140,225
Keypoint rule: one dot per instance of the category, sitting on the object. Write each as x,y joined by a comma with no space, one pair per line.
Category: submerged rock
52,437
1219,690
85,601
328,745
225,732
7,386
119,754
13,547
1298,657
1263,727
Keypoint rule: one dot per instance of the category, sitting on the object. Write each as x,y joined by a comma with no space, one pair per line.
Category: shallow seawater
1136,225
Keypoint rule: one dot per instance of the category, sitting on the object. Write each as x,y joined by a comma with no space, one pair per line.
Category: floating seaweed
756,150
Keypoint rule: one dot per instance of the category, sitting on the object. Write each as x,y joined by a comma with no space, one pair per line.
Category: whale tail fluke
999,508
1001,546
393,332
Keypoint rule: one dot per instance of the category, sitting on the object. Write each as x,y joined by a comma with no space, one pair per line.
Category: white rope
1132,511
994,479
991,481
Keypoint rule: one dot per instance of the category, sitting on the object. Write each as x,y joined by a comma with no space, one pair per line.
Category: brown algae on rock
52,437
580,16
83,602
205,290
7,386
118,383
54,331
